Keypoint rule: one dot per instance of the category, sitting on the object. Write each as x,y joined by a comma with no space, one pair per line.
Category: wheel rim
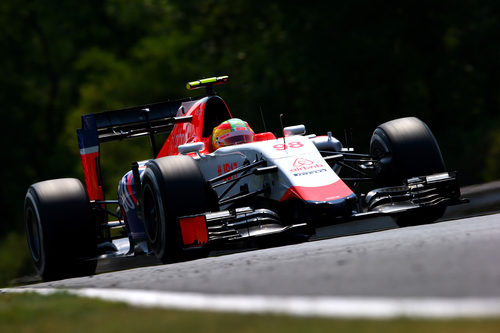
34,237
151,215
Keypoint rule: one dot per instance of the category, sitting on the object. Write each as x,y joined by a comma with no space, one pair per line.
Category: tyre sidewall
68,237
38,251
156,233
405,148
180,189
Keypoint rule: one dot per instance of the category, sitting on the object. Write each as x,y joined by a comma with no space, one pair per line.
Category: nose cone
325,193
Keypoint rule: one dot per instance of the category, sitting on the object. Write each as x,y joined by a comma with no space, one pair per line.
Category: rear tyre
61,236
172,186
407,148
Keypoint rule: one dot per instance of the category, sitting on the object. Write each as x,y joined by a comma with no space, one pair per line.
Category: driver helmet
231,132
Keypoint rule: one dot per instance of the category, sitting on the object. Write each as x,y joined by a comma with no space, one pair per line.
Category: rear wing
134,122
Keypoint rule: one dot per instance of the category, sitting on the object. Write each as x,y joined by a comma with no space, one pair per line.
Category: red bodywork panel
90,161
194,231
207,113
335,191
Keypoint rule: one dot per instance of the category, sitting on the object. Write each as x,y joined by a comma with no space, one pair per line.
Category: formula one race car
215,182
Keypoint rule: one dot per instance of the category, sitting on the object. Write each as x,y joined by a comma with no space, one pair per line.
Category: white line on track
333,307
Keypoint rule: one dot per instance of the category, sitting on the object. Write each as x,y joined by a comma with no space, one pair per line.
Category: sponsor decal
309,172
125,195
226,167
303,164
184,137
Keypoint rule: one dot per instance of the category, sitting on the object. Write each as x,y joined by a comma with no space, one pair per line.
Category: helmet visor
237,137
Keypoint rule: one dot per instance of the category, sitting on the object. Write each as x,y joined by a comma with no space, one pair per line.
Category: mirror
191,148
294,130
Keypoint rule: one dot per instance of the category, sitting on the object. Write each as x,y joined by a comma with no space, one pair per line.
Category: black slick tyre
61,236
407,148
172,186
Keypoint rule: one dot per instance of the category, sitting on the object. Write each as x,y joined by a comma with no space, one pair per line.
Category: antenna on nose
282,129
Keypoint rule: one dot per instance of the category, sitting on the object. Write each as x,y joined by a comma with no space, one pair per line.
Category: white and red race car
191,198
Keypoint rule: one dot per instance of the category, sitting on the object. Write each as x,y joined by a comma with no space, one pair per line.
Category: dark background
327,64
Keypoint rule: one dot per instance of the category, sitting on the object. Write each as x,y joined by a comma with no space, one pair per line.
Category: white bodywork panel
298,160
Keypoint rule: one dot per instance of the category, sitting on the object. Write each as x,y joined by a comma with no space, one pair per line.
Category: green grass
66,313
15,259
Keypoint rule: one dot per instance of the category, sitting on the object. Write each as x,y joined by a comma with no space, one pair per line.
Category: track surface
457,259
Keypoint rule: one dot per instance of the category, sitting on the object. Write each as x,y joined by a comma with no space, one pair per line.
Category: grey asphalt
458,258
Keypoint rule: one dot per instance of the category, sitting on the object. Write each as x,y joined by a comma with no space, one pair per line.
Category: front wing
418,193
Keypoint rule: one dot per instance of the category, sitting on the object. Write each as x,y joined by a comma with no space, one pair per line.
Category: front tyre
61,236
407,148
172,186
